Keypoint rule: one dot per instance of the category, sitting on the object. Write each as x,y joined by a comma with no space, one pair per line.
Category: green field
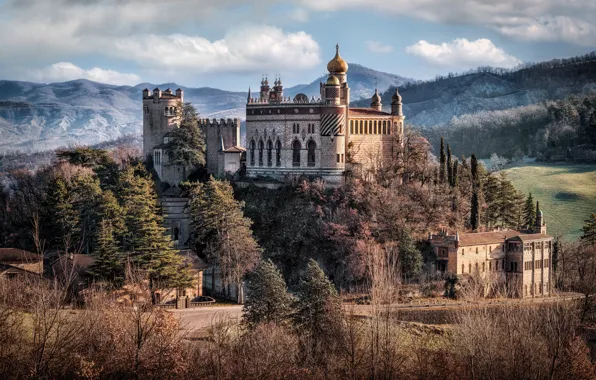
567,193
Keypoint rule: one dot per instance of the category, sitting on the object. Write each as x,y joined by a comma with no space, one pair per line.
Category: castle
161,116
520,260
321,137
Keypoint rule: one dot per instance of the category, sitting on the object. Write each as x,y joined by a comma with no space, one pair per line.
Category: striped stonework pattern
332,124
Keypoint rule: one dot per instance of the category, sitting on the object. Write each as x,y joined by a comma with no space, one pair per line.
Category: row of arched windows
370,127
296,153
170,111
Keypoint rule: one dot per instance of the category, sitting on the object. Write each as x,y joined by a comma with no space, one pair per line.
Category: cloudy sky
228,44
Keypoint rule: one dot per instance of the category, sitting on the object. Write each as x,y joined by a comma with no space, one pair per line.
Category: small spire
337,49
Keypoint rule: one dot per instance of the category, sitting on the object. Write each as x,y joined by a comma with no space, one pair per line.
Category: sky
230,44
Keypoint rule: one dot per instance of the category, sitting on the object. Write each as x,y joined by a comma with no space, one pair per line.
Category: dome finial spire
336,48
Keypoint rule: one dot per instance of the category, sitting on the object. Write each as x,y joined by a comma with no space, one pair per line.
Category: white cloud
463,54
299,14
243,50
537,20
65,71
378,47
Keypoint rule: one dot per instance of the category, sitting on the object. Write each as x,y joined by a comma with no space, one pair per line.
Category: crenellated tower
220,135
160,116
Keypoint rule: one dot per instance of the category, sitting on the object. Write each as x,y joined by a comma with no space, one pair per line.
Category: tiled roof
235,149
14,255
528,237
480,238
367,112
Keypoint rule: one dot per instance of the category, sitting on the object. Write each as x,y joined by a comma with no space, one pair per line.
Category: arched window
261,146
269,153
252,152
470,268
296,153
384,127
463,268
165,111
366,127
172,111
311,153
351,126
375,130
278,153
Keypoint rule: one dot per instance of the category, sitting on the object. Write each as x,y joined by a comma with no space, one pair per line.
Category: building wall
214,131
177,215
536,269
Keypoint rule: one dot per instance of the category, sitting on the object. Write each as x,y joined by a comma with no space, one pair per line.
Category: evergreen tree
268,299
110,209
449,167
442,162
223,234
107,265
589,228
317,308
150,248
97,159
475,202
60,215
86,195
529,212
492,190
508,203
410,258
187,143
455,182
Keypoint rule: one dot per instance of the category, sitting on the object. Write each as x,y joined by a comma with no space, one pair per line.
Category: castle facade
321,137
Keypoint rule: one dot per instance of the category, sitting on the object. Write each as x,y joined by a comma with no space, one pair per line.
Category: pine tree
111,210
492,190
442,162
589,228
268,299
507,203
223,234
60,215
150,248
317,308
187,143
449,167
107,265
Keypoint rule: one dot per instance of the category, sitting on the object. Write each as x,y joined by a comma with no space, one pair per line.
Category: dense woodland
562,130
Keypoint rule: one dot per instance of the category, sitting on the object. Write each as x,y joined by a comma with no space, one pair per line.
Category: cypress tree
449,167
475,202
529,212
107,265
589,228
442,162
268,299
455,173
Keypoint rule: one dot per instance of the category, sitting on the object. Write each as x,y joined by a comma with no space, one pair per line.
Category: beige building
17,262
521,260
319,137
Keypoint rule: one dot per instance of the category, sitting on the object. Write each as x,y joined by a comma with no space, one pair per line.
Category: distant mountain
436,102
36,116
362,82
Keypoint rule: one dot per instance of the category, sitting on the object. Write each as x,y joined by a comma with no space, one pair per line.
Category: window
278,153
252,152
261,146
296,153
361,127
483,267
470,268
296,128
476,268
476,249
338,158
443,252
497,265
269,153
388,129
490,266
462,251
384,127
311,153
375,127
463,268
351,126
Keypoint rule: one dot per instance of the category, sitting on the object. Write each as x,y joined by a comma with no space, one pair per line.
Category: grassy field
567,193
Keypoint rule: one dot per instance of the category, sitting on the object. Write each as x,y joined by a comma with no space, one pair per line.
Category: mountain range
35,116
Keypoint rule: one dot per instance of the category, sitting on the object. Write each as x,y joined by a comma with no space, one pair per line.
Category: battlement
157,95
219,122
285,100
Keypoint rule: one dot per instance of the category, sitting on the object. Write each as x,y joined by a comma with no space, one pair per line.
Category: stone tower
540,224
160,116
220,135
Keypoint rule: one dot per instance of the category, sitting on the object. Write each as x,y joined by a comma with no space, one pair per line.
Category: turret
156,94
180,95
332,96
540,224
396,104
376,101
146,93
264,89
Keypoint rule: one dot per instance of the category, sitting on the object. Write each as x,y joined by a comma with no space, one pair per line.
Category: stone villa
522,260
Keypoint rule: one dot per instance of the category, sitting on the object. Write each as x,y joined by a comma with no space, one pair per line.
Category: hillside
438,101
566,193
36,116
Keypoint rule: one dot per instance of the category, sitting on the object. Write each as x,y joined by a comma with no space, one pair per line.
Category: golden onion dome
396,98
333,81
337,64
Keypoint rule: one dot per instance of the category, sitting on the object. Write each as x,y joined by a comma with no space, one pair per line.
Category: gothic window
278,153
261,146
269,153
252,152
296,153
311,153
